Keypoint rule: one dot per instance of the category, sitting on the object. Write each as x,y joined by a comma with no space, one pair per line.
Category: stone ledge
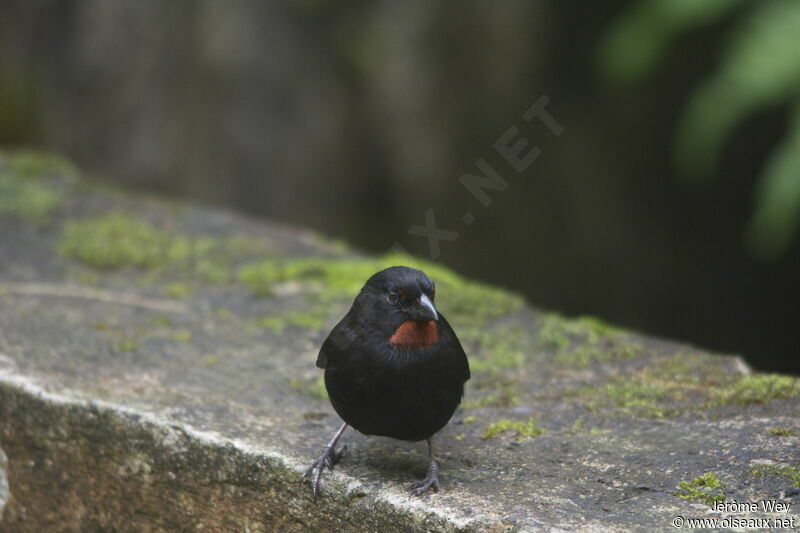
157,373
117,468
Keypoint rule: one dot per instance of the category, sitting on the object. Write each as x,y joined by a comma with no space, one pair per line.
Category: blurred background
670,203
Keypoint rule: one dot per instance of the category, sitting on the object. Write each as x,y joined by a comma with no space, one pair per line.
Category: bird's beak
423,310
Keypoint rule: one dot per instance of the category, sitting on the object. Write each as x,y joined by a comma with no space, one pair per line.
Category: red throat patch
415,335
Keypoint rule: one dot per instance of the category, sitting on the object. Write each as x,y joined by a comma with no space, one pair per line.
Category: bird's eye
391,297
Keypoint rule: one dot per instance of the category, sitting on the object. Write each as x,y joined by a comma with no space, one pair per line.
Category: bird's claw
328,459
431,481
421,487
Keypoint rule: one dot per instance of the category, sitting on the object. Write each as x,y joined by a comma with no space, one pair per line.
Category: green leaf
635,44
777,205
760,68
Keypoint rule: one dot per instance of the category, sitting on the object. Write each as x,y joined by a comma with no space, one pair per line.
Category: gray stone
170,385
3,481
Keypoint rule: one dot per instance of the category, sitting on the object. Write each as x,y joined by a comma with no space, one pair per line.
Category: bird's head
399,301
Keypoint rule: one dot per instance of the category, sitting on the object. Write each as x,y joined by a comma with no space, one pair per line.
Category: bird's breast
413,335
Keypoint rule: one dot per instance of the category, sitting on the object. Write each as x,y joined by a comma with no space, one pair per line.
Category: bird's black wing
322,357
337,342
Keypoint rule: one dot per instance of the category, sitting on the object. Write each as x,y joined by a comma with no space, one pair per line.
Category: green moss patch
519,430
785,471
758,389
665,387
706,488
640,398
697,377
583,341
32,185
29,200
497,357
182,335
125,344
117,240
668,385
688,371
337,278
633,396
685,383
178,290
334,279
497,349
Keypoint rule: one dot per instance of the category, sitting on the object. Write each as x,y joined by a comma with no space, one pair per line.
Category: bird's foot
329,458
431,481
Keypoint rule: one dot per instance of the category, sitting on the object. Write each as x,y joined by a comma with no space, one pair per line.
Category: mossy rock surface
157,373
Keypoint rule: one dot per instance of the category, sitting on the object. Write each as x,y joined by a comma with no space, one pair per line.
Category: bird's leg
431,481
330,456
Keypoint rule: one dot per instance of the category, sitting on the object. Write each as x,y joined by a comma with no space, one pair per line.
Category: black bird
393,367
